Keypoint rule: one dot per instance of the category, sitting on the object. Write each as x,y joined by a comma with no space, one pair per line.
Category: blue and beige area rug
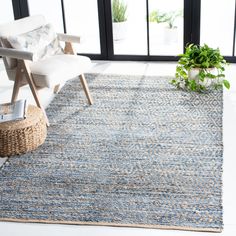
144,155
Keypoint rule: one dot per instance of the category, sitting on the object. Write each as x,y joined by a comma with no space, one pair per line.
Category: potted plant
119,18
200,68
162,25
157,24
171,31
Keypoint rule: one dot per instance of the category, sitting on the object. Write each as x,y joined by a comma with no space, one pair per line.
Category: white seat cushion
58,69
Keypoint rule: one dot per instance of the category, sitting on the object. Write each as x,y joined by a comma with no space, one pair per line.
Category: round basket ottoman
18,137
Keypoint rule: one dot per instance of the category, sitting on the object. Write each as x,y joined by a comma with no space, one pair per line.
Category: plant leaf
226,83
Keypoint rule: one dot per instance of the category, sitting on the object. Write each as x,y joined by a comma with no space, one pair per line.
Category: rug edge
162,227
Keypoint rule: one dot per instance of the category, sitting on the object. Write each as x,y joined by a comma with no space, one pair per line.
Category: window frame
192,24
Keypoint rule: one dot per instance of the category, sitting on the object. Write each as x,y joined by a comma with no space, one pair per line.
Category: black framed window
194,22
166,36
155,27
130,30
152,44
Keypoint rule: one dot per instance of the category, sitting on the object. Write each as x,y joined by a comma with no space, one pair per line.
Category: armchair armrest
68,38
17,54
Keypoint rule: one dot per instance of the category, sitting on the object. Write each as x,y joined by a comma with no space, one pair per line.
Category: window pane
82,19
6,12
217,22
166,27
130,31
51,9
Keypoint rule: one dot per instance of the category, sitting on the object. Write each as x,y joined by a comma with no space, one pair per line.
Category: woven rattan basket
18,137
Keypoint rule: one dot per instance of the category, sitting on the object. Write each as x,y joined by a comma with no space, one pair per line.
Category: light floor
150,68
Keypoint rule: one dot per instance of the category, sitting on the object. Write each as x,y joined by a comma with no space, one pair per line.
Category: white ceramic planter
193,74
170,35
157,32
119,30
161,33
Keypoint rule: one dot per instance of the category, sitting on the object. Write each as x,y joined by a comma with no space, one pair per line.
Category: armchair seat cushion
58,69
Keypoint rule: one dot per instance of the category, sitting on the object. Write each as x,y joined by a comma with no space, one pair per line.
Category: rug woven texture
144,155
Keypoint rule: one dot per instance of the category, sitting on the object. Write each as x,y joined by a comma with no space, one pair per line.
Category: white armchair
32,55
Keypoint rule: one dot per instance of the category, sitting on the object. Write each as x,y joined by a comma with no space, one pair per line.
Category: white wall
217,22
6,11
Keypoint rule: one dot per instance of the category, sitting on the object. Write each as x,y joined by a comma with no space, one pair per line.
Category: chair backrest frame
17,27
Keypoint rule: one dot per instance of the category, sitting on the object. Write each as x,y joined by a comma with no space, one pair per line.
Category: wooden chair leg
32,87
86,89
17,83
56,88
69,50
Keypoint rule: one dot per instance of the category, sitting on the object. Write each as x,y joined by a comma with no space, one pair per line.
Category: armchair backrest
17,27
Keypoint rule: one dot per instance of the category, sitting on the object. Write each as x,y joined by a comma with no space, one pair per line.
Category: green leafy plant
172,16
119,10
158,17
165,17
205,59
